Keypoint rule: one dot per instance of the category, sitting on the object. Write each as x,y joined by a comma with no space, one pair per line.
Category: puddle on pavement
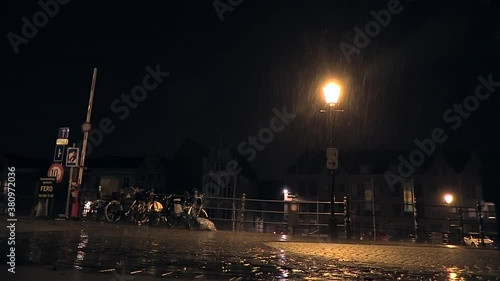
184,254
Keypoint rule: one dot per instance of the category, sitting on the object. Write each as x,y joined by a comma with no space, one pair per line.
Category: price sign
46,189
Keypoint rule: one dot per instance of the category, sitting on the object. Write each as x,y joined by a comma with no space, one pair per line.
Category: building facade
225,178
381,204
110,174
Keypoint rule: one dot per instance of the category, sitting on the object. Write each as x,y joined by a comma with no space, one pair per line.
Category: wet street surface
116,252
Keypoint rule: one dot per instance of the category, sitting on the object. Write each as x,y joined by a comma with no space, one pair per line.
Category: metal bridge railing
360,219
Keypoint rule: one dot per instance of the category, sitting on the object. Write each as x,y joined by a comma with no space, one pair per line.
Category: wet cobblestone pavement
103,251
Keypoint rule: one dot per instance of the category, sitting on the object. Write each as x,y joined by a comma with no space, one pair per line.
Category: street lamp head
332,93
448,198
285,191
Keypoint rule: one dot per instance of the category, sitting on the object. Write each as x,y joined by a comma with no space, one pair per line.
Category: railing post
347,217
415,221
461,224
242,211
480,221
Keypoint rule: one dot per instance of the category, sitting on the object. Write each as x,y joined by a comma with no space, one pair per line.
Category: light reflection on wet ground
185,254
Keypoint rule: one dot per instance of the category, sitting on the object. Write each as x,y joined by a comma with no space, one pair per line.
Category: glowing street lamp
448,198
332,93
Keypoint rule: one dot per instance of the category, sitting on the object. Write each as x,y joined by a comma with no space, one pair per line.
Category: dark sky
227,76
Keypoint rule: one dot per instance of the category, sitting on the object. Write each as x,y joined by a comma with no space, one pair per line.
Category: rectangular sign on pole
332,164
46,189
72,157
63,136
332,153
63,133
59,153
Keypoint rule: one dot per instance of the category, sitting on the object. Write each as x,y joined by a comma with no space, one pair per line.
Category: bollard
480,222
75,207
415,220
347,217
242,211
333,228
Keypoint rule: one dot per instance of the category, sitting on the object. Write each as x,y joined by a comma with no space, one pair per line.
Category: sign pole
86,133
69,188
47,207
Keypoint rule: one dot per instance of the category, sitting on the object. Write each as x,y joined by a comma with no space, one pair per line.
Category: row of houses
378,204
222,172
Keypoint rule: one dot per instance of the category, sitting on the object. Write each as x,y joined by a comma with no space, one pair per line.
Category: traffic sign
62,142
72,157
63,136
63,133
56,170
332,153
46,189
332,164
86,126
59,153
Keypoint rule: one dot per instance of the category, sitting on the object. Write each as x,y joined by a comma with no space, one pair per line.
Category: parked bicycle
128,204
168,209
97,210
194,208
97,207
151,211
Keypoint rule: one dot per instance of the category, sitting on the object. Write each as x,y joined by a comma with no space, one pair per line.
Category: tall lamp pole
332,93
86,133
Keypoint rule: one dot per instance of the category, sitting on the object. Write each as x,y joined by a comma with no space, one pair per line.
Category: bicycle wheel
140,213
172,219
96,212
203,214
154,218
191,218
113,211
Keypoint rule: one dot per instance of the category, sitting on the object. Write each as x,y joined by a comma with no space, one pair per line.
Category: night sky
225,77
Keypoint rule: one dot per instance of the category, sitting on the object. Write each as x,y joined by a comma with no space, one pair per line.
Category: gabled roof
22,162
115,162
313,161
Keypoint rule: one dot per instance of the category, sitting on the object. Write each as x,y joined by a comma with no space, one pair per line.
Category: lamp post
448,199
332,93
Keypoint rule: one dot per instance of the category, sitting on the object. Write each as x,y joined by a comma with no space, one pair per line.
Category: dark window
219,166
126,182
418,191
470,191
441,171
354,189
302,188
313,188
341,188
420,209
396,210
365,169
393,168
397,191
